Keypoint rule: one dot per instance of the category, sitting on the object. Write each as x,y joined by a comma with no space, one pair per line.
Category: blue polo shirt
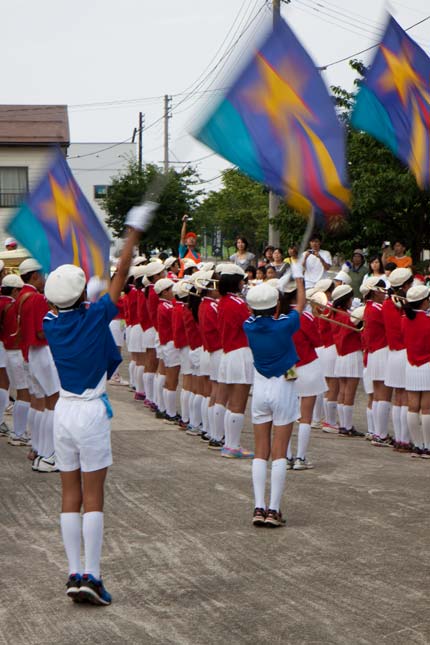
82,344
271,342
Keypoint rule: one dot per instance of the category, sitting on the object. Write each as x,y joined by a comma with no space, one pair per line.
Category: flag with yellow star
277,124
393,102
57,225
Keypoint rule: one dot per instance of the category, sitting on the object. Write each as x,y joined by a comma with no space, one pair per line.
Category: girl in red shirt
169,353
181,344
154,375
328,355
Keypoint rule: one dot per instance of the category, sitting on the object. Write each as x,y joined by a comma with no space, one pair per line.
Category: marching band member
181,344
172,267
194,341
367,381
169,353
136,341
153,271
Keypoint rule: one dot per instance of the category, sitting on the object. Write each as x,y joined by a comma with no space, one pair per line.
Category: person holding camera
316,262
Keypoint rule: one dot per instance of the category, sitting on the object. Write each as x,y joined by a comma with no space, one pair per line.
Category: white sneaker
327,427
317,425
47,465
4,430
14,440
302,464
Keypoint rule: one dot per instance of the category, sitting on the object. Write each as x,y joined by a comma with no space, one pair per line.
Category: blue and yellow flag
393,103
58,226
277,123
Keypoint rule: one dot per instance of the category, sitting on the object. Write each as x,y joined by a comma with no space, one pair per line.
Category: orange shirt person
187,246
399,258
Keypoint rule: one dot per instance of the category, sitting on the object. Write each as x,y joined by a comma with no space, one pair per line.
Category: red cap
191,234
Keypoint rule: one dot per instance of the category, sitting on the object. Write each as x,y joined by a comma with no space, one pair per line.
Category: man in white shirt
316,262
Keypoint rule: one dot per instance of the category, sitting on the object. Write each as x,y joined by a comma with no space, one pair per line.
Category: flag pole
274,235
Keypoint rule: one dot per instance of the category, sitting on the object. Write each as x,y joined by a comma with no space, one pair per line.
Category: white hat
201,276
364,289
228,268
358,314
324,284
342,276
171,260
180,288
29,265
155,258
65,285
162,285
371,283
415,294
188,263
138,260
139,271
1,265
12,280
206,266
9,241
310,292
273,282
263,296
318,298
153,268
290,287
399,277
340,291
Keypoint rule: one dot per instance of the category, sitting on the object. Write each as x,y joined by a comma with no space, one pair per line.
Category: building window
13,186
100,191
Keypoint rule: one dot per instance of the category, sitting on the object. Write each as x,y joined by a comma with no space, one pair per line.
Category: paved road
185,566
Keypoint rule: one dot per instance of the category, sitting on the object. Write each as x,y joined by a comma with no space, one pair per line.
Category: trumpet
206,283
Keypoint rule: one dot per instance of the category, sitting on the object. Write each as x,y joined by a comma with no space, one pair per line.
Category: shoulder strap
21,301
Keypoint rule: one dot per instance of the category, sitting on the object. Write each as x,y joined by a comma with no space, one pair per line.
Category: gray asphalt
185,566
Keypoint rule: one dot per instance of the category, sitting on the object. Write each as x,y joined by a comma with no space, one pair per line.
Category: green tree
179,195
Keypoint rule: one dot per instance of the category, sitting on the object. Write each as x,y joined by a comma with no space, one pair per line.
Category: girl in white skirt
377,358
169,352
153,271
194,340
416,335
181,344
349,363
117,327
328,355
136,343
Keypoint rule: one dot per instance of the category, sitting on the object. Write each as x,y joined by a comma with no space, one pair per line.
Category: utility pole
140,137
167,116
274,237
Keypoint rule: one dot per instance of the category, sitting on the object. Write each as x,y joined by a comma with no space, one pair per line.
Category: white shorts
350,365
377,364
396,368
274,399
3,358
170,355
17,370
150,338
194,355
184,356
44,379
417,378
214,361
158,350
310,380
236,367
205,363
81,435
328,356
136,340
117,330
127,335
367,382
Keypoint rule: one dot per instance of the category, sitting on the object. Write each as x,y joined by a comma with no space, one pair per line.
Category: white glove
95,287
140,217
296,270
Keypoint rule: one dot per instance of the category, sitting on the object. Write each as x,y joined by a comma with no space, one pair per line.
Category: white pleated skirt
215,358
417,378
377,364
367,382
350,365
328,356
310,380
236,367
396,368
205,360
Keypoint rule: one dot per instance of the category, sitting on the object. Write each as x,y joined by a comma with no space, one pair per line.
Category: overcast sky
89,51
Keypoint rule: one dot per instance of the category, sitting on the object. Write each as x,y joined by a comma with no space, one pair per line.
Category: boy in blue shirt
85,355
274,398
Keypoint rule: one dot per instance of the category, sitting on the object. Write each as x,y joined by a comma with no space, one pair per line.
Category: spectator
271,272
251,272
399,258
261,273
187,244
357,271
267,255
376,270
243,258
278,262
293,254
316,262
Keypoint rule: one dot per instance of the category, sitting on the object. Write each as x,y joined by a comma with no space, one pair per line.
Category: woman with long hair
242,257
376,270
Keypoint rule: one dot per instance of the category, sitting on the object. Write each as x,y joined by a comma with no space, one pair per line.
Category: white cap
139,271
161,285
415,294
29,265
228,268
263,296
12,280
371,283
342,276
310,292
399,277
364,289
340,291
180,288
318,298
10,240
358,314
171,260
65,285
201,276
206,266
324,284
153,268
188,263
1,265
290,287
138,260
345,268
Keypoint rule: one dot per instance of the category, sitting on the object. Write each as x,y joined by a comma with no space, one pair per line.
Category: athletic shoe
356,433
173,420
94,591
205,437
118,380
73,586
193,432
327,427
381,443
416,452
148,404
236,453
317,425
343,432
35,464
159,414
403,447
14,440
139,396
290,463
302,464
47,465
274,519
425,454
183,425
259,517
214,444
369,436
4,430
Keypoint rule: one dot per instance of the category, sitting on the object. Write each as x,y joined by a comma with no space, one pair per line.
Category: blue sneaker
93,590
73,586
236,453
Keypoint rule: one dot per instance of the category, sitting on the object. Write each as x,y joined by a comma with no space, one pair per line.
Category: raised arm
184,229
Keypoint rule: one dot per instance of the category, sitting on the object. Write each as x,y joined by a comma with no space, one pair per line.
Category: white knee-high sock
211,421
43,443
396,413
49,432
370,424
4,401
20,415
303,438
375,407
235,423
331,411
92,531
196,410
148,380
277,483
347,416
290,449
170,401
140,387
205,414
36,432
30,423
227,439
340,415
132,373
160,392
185,405
384,408
425,421
318,408
71,532
259,470
405,438
414,429
219,425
